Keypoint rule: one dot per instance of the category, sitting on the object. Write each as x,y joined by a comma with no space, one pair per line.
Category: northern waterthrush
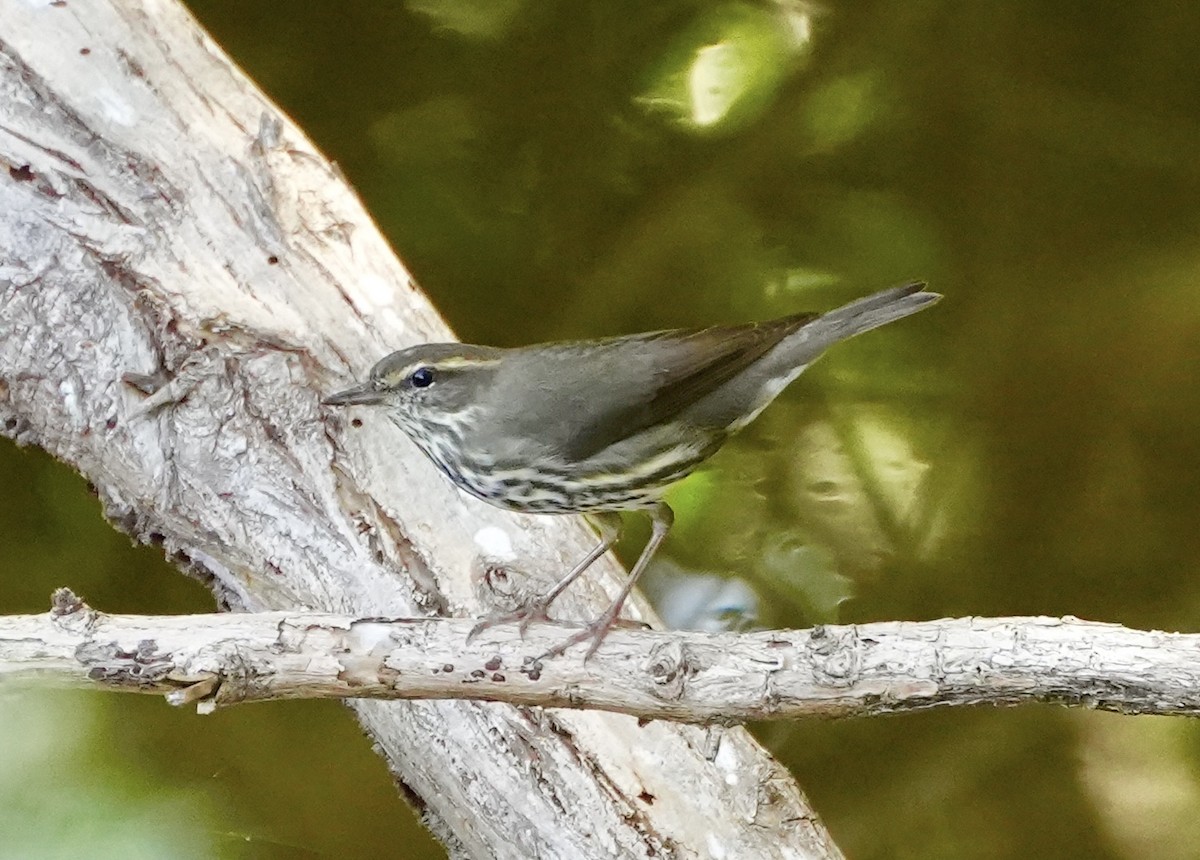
602,426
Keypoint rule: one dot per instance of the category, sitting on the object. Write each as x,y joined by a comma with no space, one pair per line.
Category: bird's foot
538,610
595,631
535,610
589,632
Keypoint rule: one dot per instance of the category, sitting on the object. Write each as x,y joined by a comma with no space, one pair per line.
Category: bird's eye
422,377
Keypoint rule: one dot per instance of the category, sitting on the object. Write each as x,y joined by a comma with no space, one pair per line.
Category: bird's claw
597,636
523,617
596,631
537,610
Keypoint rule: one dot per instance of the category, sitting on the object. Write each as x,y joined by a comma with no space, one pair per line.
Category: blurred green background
553,170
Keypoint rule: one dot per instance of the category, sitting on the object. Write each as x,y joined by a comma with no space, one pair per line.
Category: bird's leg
609,524
661,518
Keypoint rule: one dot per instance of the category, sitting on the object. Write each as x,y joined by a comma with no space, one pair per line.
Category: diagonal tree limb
164,229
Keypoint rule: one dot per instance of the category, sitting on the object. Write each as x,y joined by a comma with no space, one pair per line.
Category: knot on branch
64,601
835,655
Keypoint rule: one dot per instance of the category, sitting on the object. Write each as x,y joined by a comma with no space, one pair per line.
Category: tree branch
830,671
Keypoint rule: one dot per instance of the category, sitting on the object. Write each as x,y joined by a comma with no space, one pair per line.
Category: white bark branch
162,223
830,671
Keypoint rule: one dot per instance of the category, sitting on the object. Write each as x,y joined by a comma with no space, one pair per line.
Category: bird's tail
803,347
867,313
873,311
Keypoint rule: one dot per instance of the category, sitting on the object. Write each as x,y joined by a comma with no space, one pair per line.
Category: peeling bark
181,276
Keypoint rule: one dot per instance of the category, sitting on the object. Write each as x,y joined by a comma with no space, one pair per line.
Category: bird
601,426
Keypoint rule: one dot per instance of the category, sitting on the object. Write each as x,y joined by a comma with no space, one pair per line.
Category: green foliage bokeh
1027,447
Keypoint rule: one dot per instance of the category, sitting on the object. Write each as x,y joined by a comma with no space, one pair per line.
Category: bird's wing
689,364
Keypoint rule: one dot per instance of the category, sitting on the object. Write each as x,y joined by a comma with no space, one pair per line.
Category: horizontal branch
828,671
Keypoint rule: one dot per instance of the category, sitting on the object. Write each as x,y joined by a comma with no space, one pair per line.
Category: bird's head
433,382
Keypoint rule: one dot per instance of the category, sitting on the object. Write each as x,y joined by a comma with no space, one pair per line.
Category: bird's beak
360,395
